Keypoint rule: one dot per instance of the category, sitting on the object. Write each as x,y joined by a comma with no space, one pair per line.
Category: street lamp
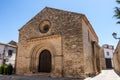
115,36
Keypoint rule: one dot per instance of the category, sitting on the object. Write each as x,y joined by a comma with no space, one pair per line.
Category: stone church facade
59,43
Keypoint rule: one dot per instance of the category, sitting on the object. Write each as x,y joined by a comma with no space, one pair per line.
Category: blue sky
16,13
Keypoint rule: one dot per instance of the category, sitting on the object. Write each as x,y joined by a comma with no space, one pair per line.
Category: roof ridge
63,10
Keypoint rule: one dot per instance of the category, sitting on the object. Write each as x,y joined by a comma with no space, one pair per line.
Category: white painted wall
2,47
10,59
110,53
108,49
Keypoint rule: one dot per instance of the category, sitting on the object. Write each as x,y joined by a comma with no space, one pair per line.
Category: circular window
44,26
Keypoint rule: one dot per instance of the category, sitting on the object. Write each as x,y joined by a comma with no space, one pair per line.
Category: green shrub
1,69
10,69
5,69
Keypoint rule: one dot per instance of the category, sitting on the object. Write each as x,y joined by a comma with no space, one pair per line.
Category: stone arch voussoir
35,52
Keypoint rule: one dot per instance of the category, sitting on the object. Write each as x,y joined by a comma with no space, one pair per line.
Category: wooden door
45,62
108,63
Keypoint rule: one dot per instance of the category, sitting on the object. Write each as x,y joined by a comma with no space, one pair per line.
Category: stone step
39,74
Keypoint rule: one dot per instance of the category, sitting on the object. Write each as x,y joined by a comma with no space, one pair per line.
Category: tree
118,1
117,12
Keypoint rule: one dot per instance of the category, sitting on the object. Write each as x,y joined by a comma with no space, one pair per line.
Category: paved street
105,75
16,77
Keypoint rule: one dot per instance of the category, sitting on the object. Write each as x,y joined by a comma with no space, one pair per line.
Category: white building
108,51
8,53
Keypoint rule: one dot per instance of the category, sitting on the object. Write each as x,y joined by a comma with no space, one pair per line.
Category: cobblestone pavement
18,77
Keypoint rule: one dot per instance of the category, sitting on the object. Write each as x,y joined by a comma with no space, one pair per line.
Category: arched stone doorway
45,62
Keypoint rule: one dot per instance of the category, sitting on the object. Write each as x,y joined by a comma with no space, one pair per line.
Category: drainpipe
62,54
15,64
3,60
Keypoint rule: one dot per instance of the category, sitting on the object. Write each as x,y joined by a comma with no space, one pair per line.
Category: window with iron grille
10,52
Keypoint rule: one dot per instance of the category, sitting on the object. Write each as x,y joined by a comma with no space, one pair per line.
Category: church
58,43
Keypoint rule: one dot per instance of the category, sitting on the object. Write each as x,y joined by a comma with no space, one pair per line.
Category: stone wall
116,59
30,54
90,40
65,24
102,59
